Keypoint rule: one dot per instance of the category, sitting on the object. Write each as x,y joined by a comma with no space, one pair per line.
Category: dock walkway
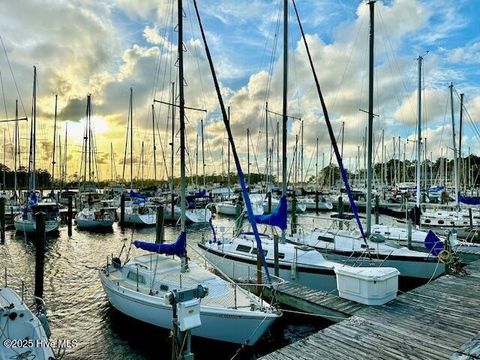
439,320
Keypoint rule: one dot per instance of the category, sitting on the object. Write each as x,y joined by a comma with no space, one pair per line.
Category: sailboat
92,215
371,250
23,334
138,287
25,221
138,210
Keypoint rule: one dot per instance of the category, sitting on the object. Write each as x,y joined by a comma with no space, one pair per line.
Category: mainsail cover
278,217
469,200
177,248
433,244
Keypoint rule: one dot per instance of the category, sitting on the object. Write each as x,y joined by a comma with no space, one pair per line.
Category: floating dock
326,305
439,320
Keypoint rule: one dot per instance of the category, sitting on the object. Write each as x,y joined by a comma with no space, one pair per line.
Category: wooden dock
439,320
302,298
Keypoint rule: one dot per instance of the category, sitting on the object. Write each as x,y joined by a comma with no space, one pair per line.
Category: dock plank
438,320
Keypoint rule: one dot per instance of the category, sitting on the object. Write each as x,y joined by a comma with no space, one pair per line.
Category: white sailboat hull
29,226
25,330
243,269
229,325
191,215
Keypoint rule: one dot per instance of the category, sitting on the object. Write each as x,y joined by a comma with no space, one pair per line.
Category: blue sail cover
469,200
278,217
433,244
177,248
32,199
133,194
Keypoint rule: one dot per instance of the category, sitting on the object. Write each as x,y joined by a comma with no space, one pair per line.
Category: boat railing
248,285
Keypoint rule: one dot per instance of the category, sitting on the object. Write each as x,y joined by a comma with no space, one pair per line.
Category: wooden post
69,215
377,204
317,200
269,202
340,211
409,233
294,215
159,233
2,220
470,217
40,253
122,210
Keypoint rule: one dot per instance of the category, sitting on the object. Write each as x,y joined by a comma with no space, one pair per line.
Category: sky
104,48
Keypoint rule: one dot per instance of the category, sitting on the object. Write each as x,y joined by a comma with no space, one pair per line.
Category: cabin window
132,275
452,223
254,252
244,248
326,239
387,232
441,222
427,221
465,223
281,255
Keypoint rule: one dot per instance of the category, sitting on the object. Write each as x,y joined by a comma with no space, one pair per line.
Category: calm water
78,308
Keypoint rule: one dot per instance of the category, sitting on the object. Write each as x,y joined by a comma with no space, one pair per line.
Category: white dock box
367,285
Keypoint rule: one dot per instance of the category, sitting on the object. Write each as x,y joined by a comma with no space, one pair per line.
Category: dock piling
69,215
40,239
122,210
159,230
2,221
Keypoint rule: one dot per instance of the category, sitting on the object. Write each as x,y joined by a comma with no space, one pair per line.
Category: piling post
340,211
294,215
409,233
69,215
2,220
377,204
269,202
159,230
470,217
40,253
317,200
122,210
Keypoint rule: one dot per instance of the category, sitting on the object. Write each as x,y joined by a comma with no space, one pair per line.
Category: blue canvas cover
469,200
177,248
278,217
433,244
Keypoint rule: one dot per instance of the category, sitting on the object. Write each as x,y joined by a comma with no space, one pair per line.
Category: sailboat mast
460,165
65,154
33,132
182,115
316,168
154,145
370,118
228,158
248,157
301,154
455,162
54,140
15,146
172,156
131,139
284,124
203,154
419,128
266,146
